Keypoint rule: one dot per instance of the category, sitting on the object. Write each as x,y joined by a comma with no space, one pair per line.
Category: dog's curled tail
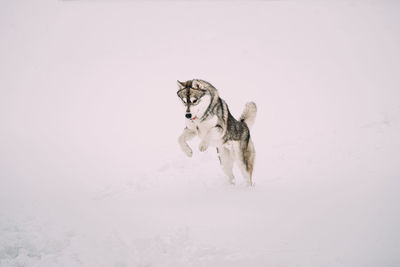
249,114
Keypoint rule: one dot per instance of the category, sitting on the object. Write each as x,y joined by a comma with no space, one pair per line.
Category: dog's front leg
186,135
203,145
213,134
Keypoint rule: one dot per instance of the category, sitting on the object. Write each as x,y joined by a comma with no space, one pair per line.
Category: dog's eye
194,101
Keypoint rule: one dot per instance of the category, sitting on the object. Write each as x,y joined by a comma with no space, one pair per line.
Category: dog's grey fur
208,117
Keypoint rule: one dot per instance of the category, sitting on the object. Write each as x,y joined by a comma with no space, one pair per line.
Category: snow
90,170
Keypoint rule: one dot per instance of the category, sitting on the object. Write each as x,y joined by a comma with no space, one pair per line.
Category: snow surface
90,170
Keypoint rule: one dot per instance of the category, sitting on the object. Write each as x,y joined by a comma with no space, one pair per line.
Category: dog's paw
203,146
188,152
186,149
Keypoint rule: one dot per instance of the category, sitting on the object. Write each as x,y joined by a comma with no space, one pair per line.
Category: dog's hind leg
226,159
246,160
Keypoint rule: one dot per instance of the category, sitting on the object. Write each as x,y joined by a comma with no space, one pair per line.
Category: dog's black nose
188,115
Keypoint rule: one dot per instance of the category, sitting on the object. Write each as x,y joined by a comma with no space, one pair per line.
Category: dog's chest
202,127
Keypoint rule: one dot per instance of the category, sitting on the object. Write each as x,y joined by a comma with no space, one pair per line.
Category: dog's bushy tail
249,114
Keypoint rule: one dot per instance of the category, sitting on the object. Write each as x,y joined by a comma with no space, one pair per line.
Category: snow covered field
90,170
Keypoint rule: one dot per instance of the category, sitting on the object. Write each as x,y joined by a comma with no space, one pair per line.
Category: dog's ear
196,84
181,85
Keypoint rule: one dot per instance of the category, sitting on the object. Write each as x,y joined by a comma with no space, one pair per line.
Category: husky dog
208,117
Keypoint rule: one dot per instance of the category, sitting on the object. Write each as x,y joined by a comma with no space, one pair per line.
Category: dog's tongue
195,117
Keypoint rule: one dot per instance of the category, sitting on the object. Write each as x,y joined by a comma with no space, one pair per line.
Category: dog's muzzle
188,115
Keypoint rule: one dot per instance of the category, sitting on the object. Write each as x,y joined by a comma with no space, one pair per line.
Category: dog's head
195,97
